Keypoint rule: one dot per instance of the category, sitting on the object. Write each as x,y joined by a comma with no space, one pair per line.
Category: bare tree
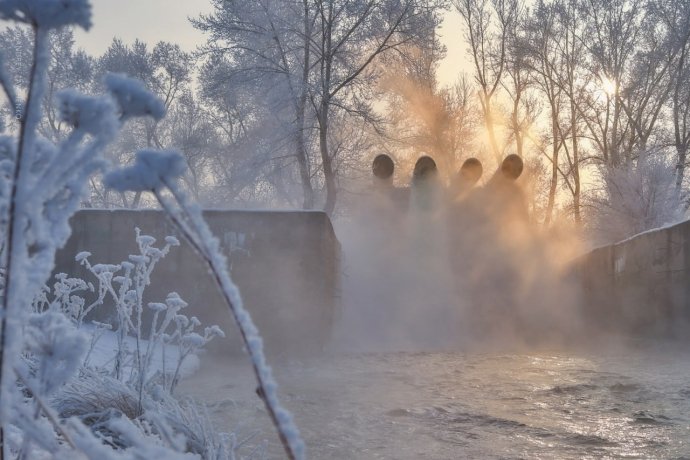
351,35
488,27
425,118
269,44
166,70
69,67
611,33
556,58
674,15
545,63
519,84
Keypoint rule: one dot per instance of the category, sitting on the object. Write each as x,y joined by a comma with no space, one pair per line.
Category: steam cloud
435,267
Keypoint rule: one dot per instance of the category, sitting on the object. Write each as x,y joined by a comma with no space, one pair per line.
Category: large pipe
424,169
511,167
508,171
505,197
471,171
467,177
426,192
383,167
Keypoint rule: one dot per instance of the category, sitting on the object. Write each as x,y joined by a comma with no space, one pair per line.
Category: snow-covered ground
165,357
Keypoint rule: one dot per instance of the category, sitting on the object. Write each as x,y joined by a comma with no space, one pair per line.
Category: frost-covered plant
158,172
54,348
121,286
41,185
65,298
636,197
99,400
124,284
135,384
188,342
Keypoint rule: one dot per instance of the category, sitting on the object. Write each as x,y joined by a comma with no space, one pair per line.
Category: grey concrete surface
640,285
286,265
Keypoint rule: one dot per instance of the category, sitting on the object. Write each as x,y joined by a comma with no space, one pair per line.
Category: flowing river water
617,402
401,291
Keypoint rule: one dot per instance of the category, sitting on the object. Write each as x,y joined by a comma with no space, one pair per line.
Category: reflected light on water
627,403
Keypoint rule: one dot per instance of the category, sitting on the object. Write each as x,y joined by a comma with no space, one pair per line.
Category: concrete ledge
640,285
286,265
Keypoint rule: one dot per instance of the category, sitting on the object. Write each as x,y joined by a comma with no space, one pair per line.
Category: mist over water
431,267
461,336
611,403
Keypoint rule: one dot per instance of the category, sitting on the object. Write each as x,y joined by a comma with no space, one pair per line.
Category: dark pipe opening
512,166
424,168
471,170
383,166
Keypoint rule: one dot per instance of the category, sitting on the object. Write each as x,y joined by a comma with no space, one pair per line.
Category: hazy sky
149,20
166,20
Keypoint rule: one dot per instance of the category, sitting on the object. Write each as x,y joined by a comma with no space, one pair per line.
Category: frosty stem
191,228
39,66
40,404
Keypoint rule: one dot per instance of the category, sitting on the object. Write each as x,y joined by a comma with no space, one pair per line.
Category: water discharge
460,336
434,267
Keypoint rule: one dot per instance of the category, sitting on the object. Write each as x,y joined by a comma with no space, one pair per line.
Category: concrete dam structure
285,263
639,286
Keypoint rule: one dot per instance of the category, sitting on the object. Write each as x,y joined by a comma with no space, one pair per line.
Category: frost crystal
59,344
82,255
127,265
193,339
105,268
157,306
172,241
150,170
146,240
175,301
215,330
133,97
138,259
95,115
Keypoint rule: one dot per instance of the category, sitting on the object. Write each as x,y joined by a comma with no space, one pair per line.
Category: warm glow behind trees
584,86
577,87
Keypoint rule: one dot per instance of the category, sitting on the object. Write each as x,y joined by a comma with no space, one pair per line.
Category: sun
609,86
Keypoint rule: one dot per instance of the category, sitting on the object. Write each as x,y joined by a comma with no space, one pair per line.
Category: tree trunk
328,173
302,155
680,167
516,121
576,165
307,189
678,134
575,168
554,167
136,200
489,119
615,148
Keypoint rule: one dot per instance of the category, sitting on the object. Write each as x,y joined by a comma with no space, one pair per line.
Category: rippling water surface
614,404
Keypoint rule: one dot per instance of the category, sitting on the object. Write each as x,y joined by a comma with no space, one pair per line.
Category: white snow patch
105,351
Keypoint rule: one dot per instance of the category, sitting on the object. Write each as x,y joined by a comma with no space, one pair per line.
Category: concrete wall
641,285
285,263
